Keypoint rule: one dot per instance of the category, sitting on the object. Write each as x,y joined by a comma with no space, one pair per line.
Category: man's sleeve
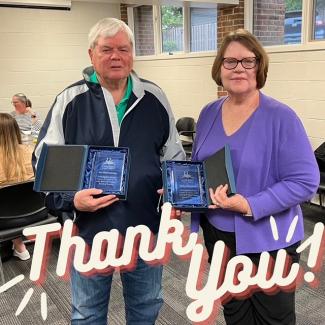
52,133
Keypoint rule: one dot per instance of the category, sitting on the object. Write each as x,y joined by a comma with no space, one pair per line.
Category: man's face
112,57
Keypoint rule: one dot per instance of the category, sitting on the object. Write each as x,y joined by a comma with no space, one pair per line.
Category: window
279,22
319,20
292,27
173,29
203,29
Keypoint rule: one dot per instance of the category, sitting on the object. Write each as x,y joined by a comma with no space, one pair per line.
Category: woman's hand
29,110
32,114
235,203
84,200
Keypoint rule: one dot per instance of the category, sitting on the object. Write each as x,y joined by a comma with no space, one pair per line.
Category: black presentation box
186,183
69,168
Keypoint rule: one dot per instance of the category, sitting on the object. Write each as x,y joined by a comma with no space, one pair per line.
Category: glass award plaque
107,169
186,183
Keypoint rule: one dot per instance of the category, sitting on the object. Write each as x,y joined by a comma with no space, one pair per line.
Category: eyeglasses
247,63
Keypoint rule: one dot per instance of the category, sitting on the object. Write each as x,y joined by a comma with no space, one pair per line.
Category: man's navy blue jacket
85,114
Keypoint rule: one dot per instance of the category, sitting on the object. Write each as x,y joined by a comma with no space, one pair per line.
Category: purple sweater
276,171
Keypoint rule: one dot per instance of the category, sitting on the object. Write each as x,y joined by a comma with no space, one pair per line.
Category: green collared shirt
122,105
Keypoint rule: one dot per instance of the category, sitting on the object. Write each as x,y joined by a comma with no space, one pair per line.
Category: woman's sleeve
298,173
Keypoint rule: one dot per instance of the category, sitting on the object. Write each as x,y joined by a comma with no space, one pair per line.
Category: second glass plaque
184,184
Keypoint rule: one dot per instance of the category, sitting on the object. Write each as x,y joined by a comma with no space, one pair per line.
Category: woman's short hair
23,98
248,40
108,27
29,103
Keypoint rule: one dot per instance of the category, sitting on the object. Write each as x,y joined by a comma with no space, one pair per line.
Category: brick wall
229,19
269,21
124,13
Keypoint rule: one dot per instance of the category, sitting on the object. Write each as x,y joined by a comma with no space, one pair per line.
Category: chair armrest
9,234
187,133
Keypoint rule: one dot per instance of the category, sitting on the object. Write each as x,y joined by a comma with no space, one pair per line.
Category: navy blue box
70,168
186,183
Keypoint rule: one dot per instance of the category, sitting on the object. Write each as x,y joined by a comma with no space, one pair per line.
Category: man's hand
174,213
234,203
84,200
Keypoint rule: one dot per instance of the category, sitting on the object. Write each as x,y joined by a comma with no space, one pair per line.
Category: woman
15,165
274,167
23,114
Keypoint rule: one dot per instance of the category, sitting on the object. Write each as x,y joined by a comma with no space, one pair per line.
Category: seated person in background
24,115
15,165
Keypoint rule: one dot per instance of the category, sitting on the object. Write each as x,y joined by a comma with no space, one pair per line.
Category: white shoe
24,256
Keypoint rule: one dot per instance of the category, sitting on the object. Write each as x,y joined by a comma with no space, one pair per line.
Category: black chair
186,129
320,158
321,188
20,207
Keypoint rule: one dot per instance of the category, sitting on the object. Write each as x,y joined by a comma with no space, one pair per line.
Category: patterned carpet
310,301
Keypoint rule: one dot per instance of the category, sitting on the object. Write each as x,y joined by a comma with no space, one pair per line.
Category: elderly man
111,106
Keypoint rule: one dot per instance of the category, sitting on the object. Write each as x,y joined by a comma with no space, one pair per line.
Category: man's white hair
108,27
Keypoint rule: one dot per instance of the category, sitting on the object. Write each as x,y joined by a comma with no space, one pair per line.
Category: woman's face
20,106
238,81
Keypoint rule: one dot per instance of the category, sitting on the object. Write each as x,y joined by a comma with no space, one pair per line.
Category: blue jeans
141,291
